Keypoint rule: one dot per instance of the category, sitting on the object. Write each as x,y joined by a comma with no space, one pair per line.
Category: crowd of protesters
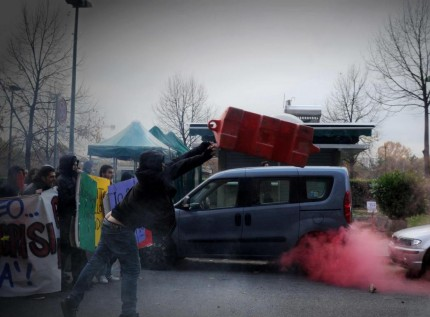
149,204
35,181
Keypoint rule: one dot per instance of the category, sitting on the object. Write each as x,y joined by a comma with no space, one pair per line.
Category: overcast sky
247,53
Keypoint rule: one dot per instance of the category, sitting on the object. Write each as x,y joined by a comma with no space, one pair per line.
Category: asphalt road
199,288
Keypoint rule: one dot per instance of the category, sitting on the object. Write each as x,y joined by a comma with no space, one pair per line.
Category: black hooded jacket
149,203
67,186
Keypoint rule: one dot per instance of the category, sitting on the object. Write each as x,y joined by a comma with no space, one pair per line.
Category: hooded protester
44,179
147,204
68,168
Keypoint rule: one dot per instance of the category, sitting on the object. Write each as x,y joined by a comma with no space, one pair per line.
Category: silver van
259,212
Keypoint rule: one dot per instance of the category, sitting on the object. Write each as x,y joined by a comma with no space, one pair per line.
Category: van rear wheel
308,244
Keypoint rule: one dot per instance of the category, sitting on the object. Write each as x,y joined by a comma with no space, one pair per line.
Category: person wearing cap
147,204
88,167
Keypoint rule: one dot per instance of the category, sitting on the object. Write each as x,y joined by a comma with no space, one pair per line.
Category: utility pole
76,4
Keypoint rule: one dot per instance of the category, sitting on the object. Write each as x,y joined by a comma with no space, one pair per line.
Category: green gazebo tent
169,139
128,144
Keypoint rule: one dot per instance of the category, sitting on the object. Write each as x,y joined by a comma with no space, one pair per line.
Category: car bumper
409,258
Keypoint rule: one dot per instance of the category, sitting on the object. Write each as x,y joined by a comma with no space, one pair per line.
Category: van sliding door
271,222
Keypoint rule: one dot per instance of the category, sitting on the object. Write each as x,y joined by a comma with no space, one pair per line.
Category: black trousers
78,259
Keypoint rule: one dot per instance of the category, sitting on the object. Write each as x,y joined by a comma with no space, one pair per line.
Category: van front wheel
158,257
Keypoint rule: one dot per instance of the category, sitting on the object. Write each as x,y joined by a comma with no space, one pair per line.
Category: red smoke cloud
353,257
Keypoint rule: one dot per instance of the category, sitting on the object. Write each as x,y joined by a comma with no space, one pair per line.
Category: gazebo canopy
177,143
127,144
169,139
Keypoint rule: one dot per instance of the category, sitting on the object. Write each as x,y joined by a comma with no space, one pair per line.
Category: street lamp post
76,4
12,88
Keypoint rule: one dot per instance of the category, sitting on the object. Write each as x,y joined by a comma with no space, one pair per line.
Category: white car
410,248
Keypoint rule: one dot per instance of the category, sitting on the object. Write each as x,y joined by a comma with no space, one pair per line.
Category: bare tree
182,102
4,109
35,60
38,61
350,102
400,57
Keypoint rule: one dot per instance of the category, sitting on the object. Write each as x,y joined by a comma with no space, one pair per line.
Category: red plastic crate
270,138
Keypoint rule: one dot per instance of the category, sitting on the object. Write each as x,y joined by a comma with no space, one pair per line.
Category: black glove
204,145
208,153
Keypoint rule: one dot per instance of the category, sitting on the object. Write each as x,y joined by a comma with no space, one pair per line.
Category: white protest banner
29,245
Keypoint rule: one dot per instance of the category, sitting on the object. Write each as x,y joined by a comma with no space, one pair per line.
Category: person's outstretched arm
196,157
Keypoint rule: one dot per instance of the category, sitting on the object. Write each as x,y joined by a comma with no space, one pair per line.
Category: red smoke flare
353,257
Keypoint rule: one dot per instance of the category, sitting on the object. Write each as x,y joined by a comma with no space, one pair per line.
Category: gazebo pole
115,166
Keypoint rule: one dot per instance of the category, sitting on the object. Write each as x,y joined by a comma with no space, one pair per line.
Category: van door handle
247,220
238,220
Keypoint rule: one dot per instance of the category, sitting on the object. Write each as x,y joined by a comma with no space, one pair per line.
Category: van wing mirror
185,204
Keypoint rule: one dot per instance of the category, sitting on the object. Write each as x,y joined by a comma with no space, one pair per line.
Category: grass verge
418,220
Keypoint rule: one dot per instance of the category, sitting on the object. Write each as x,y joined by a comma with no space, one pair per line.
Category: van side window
216,194
274,191
318,188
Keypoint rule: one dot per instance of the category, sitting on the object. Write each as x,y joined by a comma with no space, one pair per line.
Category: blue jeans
116,241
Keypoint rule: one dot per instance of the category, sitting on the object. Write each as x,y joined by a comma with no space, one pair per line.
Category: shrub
400,195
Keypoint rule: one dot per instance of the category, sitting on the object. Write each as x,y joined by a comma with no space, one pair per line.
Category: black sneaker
69,310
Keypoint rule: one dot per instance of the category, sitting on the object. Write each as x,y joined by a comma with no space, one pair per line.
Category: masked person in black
69,168
147,204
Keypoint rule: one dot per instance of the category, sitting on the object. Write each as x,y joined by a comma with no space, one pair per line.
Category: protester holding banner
105,275
15,179
14,184
44,179
6,191
29,178
148,204
67,212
